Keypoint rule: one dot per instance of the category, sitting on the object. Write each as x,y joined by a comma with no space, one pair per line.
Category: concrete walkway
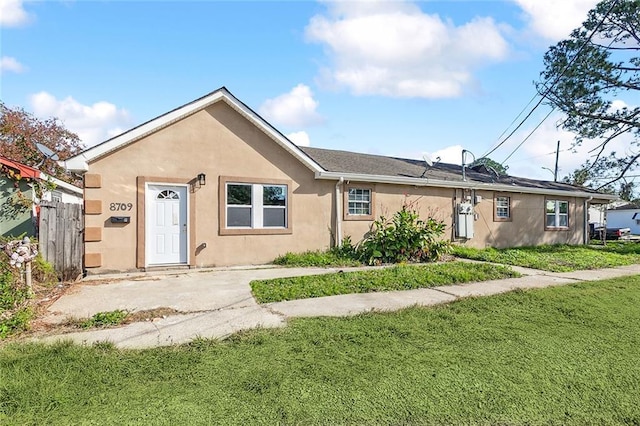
217,303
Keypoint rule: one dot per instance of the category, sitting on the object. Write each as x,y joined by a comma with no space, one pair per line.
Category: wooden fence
60,236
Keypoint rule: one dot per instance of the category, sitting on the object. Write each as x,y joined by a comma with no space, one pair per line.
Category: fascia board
80,163
273,134
62,184
458,185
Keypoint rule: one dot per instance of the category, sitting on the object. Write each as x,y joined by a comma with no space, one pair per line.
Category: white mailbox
465,219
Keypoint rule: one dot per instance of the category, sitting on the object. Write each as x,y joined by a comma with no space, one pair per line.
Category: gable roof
377,168
333,165
80,162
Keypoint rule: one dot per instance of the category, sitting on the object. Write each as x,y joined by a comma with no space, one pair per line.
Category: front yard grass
565,355
558,258
399,277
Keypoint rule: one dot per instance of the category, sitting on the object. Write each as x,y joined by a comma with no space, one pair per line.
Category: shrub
404,238
14,295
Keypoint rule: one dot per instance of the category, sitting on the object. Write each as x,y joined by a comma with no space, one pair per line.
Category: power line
528,136
555,81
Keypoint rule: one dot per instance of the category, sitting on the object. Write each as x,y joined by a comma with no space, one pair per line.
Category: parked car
610,233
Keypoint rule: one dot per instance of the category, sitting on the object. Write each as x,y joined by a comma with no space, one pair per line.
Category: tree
595,176
488,162
594,78
19,133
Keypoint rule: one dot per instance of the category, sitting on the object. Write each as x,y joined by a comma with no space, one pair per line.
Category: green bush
14,296
404,238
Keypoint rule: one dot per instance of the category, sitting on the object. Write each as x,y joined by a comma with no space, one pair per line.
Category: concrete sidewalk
215,304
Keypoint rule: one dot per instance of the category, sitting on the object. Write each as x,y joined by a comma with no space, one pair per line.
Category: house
211,183
21,189
626,215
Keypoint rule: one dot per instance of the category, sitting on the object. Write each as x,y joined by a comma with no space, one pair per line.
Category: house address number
120,207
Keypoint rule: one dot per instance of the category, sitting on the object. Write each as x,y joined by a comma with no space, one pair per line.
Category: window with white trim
502,208
359,202
557,214
256,206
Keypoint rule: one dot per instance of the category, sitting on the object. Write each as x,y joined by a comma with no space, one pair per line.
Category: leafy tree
592,175
488,162
594,78
19,133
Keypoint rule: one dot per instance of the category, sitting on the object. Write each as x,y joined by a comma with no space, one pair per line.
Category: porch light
202,179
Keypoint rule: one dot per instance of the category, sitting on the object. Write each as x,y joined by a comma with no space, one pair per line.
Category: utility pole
555,173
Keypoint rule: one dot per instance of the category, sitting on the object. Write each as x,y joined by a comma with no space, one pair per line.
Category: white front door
166,224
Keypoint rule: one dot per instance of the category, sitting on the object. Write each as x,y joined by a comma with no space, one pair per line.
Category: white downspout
586,220
339,213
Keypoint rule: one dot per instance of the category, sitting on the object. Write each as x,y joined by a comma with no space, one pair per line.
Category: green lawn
400,277
561,355
558,258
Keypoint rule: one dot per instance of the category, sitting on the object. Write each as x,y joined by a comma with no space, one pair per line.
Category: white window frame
557,215
499,205
257,205
359,203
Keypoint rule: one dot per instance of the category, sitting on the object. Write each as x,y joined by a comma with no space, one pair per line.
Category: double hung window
256,206
557,214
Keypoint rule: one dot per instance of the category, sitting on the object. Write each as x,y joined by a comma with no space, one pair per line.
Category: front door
166,224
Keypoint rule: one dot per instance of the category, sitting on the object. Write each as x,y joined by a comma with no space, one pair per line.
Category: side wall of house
222,144
525,226
629,218
15,210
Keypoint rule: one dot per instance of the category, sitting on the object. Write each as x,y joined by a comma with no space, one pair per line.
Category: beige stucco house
211,183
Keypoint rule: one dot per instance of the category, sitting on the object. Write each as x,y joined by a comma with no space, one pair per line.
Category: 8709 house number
120,207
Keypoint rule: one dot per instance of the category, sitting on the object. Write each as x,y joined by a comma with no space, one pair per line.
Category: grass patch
104,319
557,258
315,258
401,277
565,355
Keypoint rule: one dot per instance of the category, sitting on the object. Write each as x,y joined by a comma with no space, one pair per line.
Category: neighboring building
625,216
21,189
211,183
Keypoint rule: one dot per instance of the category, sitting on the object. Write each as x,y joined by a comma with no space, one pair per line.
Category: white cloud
395,49
12,13
92,123
296,108
299,138
9,64
451,154
555,19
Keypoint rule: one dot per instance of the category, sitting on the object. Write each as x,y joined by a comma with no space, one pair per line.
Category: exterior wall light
202,179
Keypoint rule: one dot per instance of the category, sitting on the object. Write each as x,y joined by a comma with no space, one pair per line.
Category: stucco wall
526,227
218,142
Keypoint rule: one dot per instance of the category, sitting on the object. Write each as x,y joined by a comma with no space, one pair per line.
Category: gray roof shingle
369,164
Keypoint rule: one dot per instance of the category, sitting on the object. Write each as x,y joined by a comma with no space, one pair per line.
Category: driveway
217,303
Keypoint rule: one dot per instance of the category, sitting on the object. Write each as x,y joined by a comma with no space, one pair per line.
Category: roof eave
459,185
80,163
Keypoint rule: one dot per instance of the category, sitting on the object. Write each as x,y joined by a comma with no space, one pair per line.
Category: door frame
149,200
142,185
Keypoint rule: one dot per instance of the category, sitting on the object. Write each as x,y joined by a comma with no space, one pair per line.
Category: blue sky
395,78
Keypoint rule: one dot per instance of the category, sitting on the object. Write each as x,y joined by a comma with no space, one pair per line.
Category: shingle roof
369,164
